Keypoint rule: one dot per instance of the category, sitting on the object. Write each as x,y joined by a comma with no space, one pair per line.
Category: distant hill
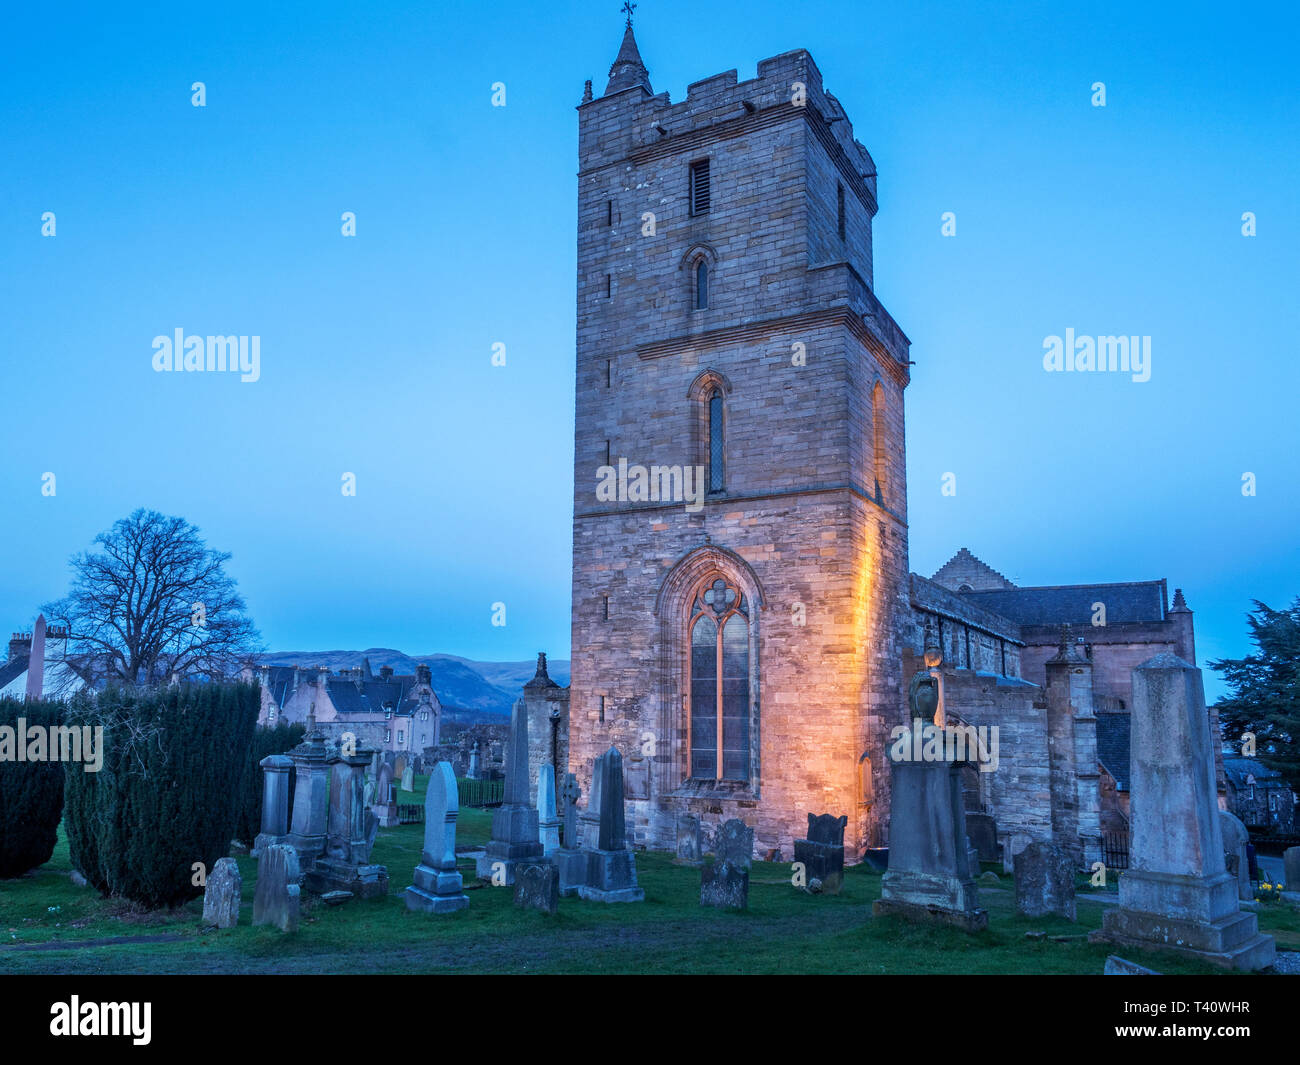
461,684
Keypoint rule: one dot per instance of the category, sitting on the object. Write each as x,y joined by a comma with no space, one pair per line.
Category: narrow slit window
701,285
602,708
840,209
609,212
715,441
700,187
609,285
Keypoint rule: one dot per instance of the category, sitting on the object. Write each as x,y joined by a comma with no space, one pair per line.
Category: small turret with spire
628,71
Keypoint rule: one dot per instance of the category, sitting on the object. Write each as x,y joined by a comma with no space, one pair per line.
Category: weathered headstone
930,878
275,802
1012,845
345,864
725,885
548,818
982,830
438,887
1291,868
570,860
822,853
515,832
1235,838
690,842
221,894
276,897
537,886
734,843
385,804
1045,881
1176,895
408,778
311,795
473,772
611,867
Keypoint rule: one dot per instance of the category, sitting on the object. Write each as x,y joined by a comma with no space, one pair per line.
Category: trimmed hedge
168,795
278,739
31,793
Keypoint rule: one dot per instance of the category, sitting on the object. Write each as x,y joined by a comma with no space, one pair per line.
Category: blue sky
376,349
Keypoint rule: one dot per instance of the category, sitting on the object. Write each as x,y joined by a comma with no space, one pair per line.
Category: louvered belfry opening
700,187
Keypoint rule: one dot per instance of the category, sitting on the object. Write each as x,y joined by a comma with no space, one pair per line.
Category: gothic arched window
719,682
701,285
716,457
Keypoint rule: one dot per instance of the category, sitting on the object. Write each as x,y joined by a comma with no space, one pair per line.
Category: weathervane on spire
628,8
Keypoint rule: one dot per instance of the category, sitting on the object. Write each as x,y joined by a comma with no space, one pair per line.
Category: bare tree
153,605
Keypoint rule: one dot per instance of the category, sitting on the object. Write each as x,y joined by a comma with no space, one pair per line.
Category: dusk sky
376,349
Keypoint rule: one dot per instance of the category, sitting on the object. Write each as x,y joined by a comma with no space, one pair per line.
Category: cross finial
628,8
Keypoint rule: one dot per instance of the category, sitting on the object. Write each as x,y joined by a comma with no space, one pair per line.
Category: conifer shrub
31,791
167,798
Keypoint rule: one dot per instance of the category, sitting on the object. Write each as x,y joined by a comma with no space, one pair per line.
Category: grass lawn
784,930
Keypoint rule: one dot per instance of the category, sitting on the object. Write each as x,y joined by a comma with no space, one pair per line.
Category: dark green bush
168,795
278,739
31,793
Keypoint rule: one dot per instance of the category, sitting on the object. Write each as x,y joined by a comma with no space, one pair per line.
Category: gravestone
822,853
345,864
930,879
1117,966
611,867
1235,838
570,859
311,795
734,843
515,830
438,887
1014,843
1176,895
537,887
1291,868
385,804
275,802
548,819
724,885
221,894
473,772
690,842
1045,881
408,778
982,830
277,895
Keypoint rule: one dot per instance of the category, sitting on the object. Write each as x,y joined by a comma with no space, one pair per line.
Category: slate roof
1237,768
1140,601
1113,746
13,669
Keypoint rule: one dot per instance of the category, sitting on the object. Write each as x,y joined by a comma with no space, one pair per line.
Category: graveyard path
607,948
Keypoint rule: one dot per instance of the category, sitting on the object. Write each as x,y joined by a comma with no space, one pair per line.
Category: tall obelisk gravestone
1177,895
515,835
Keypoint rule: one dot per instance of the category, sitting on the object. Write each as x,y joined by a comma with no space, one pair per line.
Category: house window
701,285
388,735
840,209
719,683
716,460
700,187
400,735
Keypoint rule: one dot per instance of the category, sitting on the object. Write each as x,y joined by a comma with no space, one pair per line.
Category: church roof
1072,604
1114,746
965,568
627,71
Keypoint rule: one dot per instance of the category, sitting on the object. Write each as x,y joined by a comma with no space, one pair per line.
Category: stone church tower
740,506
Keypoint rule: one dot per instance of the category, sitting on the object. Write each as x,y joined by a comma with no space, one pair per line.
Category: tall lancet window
719,683
701,285
716,460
